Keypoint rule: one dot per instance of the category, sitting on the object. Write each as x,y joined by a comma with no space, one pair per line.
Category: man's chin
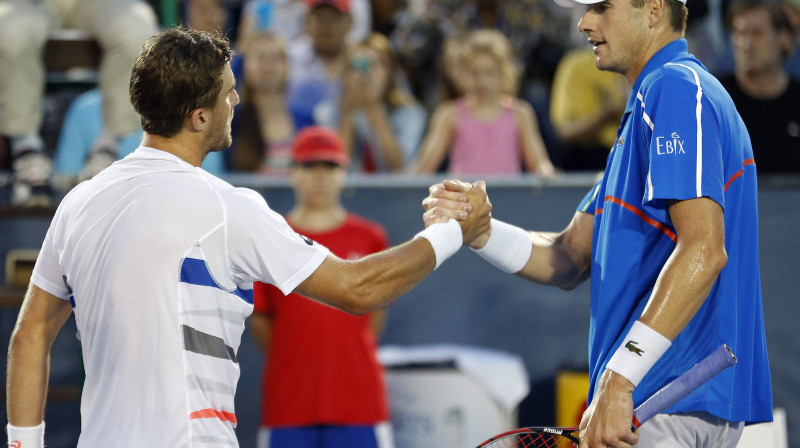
222,146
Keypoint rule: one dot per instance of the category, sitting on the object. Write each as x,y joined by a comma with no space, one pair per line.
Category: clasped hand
467,203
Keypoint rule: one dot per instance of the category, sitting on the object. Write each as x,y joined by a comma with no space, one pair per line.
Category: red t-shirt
322,366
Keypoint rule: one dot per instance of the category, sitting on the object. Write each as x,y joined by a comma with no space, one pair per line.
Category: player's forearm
682,287
28,372
374,281
558,259
554,262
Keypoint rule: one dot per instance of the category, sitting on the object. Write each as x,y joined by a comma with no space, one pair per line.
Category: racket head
535,437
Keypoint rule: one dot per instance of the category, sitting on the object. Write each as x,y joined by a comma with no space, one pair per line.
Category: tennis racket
543,437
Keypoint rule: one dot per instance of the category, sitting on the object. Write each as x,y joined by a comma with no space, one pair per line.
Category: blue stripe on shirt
195,272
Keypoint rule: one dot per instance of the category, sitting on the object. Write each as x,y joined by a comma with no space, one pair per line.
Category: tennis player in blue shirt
669,237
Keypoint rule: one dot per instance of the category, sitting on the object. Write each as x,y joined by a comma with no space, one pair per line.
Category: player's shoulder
240,198
683,73
679,82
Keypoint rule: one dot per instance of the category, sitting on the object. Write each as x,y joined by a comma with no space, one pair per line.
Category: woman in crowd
379,120
264,127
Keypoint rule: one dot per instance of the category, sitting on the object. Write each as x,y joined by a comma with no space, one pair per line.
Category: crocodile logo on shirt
631,346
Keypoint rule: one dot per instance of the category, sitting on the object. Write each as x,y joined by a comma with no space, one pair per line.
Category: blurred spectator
317,62
120,27
322,385
766,96
82,124
210,16
287,19
487,131
263,127
380,122
586,109
537,30
451,75
384,14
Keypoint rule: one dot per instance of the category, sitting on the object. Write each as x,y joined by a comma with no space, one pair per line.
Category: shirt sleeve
263,247
589,202
683,138
47,273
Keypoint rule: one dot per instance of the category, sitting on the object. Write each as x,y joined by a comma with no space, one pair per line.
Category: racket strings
532,440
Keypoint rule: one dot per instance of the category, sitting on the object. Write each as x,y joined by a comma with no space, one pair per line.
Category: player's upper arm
700,222
329,283
42,315
562,259
577,237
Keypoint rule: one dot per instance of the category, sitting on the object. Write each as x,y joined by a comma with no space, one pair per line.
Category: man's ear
658,11
198,120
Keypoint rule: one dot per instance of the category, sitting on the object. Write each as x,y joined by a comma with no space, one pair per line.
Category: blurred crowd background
474,87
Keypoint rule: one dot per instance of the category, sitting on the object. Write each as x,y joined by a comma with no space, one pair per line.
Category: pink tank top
485,147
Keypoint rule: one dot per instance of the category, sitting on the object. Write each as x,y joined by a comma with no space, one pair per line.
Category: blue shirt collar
670,52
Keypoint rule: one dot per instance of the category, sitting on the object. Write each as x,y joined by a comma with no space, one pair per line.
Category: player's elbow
27,337
360,295
718,258
360,301
711,258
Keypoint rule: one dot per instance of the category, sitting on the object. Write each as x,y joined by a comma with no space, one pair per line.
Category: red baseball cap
319,144
341,5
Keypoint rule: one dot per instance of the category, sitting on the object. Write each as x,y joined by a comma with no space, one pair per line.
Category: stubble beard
219,139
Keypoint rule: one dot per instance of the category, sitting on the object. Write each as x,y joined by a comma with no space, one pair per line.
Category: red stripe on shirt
739,173
645,218
213,413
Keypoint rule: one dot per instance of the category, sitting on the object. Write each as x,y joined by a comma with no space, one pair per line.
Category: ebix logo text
672,145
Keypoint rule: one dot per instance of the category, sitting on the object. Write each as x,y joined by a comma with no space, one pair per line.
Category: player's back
125,234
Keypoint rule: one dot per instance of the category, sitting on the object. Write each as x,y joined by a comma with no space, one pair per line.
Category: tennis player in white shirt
156,259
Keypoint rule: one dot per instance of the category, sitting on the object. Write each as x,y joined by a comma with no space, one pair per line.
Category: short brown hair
678,13
778,17
777,13
177,71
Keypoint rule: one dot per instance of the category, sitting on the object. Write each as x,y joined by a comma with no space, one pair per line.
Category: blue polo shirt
681,138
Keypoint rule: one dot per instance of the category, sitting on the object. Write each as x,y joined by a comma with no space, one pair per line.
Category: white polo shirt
158,259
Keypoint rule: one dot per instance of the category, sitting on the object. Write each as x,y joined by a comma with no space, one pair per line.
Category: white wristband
509,247
445,237
26,436
640,350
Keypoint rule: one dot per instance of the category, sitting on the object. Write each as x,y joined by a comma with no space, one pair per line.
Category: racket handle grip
719,360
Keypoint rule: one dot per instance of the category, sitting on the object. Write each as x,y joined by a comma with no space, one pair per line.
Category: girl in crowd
487,130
